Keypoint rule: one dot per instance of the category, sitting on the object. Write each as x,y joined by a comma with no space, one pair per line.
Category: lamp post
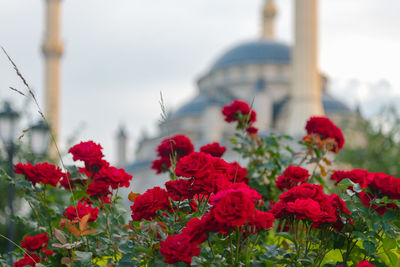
39,141
39,138
8,126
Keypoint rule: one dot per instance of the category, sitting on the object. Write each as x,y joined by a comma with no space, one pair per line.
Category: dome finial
268,20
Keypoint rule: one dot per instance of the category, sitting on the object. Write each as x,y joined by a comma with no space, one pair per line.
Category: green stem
238,236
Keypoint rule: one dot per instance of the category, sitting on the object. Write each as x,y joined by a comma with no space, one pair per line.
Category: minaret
305,95
121,147
268,20
52,50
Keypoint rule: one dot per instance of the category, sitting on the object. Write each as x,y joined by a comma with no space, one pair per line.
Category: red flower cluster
357,176
308,201
178,248
178,146
325,129
30,260
37,243
231,111
362,264
40,173
77,213
101,175
240,111
233,207
146,205
214,149
379,184
292,177
208,174
88,152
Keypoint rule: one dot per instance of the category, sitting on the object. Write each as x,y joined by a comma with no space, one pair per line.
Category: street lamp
39,141
8,127
39,138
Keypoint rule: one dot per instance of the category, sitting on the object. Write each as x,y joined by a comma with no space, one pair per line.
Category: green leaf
287,236
84,257
389,243
392,257
357,188
345,183
369,247
234,141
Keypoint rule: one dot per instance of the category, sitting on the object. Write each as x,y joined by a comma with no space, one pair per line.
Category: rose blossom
178,248
114,177
36,242
237,106
82,209
178,145
214,149
292,176
41,172
146,205
233,207
88,152
325,128
30,260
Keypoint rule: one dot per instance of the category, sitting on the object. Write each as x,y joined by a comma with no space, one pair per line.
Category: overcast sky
120,54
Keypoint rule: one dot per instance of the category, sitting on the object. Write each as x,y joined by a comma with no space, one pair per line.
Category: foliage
281,210
379,150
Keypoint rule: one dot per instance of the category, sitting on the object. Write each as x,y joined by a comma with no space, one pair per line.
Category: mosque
282,82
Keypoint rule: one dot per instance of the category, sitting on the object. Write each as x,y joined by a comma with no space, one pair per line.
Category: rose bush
277,207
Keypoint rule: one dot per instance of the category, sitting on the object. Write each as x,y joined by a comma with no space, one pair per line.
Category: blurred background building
282,82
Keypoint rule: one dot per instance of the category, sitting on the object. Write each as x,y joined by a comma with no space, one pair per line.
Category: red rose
180,189
214,149
196,230
99,189
88,152
308,201
30,260
36,242
114,177
262,220
161,165
306,209
251,130
236,173
196,164
292,176
364,264
146,205
233,171
338,204
303,191
382,182
358,176
41,172
178,248
237,106
77,213
325,128
232,207
176,146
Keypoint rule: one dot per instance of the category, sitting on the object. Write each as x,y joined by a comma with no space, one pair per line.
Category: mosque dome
258,52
